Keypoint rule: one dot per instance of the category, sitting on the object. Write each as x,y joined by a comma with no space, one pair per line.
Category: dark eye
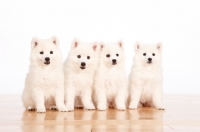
153,54
144,54
79,56
108,55
51,52
117,54
88,57
41,52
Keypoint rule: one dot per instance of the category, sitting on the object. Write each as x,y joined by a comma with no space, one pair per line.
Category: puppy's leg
135,97
120,99
157,97
28,101
69,98
38,97
59,99
86,96
101,99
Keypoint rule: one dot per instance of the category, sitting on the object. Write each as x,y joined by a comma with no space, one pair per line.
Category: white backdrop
176,23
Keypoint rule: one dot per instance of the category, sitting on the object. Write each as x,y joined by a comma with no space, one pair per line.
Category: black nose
149,59
83,64
47,59
114,60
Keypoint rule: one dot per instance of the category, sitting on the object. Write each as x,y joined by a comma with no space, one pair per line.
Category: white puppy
79,70
44,85
145,80
110,81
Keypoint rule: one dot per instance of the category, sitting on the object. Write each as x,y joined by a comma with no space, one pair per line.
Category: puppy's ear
34,42
102,45
55,40
75,43
159,46
121,44
96,46
137,46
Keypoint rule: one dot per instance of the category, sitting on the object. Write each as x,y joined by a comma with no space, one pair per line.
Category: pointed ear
34,42
159,46
121,44
75,43
96,46
55,40
137,46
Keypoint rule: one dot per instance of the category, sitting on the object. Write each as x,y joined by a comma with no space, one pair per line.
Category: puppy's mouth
82,67
114,63
149,62
47,62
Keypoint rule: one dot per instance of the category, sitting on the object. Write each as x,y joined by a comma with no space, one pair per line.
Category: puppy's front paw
159,106
133,106
41,110
121,107
89,107
101,107
62,109
70,108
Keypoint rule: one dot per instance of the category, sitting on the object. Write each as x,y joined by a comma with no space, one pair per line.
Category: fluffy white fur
146,79
79,70
110,80
44,85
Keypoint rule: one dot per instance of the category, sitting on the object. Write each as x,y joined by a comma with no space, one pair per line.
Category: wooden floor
182,114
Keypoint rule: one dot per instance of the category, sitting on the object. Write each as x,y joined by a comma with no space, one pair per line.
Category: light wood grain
182,114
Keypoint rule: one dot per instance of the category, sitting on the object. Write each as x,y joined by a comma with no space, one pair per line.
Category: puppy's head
148,54
45,52
83,55
112,54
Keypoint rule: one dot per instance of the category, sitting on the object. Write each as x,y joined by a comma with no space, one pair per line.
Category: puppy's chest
82,80
149,74
148,92
111,80
150,79
47,78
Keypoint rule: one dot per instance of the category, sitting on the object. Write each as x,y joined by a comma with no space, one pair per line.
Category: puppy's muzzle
47,61
83,64
114,61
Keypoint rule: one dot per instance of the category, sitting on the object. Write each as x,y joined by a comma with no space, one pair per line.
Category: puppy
146,79
110,80
44,85
79,69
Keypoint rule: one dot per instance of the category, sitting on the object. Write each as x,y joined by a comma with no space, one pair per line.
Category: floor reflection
139,120
144,119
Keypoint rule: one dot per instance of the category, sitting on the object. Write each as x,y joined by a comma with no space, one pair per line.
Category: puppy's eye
78,56
153,54
108,55
41,52
144,54
88,57
51,52
117,54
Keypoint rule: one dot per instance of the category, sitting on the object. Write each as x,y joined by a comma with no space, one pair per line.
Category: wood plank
182,114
